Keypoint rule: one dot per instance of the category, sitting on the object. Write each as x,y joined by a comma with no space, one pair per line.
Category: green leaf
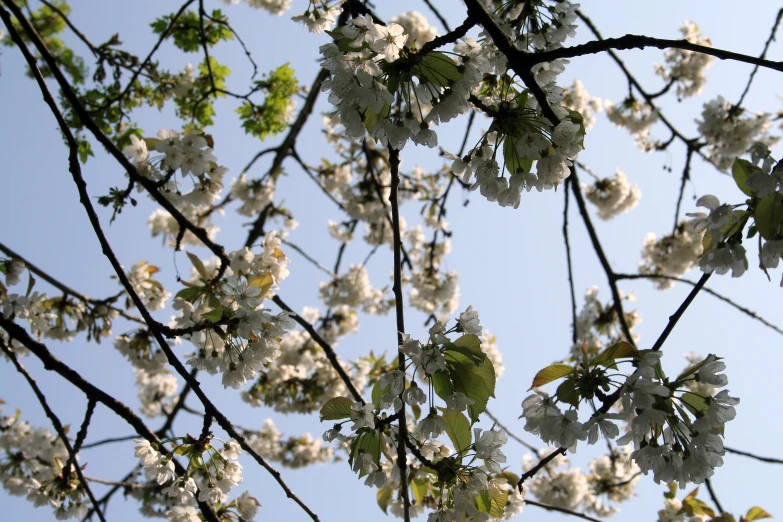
696,404
384,496
740,171
368,441
420,488
483,502
438,69
469,345
198,265
672,493
616,351
694,506
190,294
551,373
378,392
214,315
769,215
370,117
442,384
756,513
514,162
476,382
567,393
336,408
458,430
498,503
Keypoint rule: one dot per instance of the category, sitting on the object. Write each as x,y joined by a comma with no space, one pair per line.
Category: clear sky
511,262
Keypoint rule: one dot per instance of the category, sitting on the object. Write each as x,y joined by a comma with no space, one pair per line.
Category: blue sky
512,262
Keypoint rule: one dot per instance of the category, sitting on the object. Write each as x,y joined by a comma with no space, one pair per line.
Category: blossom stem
402,454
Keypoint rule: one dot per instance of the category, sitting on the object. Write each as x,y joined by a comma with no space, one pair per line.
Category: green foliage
336,408
190,31
740,171
551,373
619,350
438,69
458,430
476,382
769,216
366,441
270,118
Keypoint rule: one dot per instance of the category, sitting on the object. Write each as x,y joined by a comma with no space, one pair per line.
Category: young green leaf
769,215
336,408
740,171
551,373
616,351
458,430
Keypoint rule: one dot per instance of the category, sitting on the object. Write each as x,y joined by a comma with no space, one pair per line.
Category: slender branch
710,291
686,176
633,41
610,275
110,440
509,432
762,56
769,460
681,310
58,427
66,289
402,458
81,435
328,350
559,509
450,37
568,262
127,485
713,496
310,258
437,14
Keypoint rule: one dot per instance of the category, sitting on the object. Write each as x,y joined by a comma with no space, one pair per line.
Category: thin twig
708,290
66,289
713,496
762,56
510,433
559,509
568,262
769,460
437,14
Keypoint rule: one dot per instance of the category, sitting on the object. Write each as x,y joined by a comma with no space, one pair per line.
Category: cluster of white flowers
157,391
684,67
13,269
33,307
613,196
151,292
612,478
681,444
578,99
276,7
209,476
31,465
254,195
598,326
302,379
293,452
724,253
354,290
192,156
252,338
688,450
318,19
730,131
416,26
636,117
672,255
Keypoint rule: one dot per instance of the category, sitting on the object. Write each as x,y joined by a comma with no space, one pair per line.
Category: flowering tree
413,422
